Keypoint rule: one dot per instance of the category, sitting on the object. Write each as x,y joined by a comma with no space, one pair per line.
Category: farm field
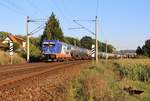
113,80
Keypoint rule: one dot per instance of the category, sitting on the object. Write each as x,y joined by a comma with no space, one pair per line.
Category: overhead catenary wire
15,6
84,27
85,20
37,29
37,22
66,18
60,10
12,9
34,6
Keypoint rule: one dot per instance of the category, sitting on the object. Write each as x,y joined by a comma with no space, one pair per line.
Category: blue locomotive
56,50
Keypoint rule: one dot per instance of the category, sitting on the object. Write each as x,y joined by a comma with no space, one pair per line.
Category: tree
52,30
146,48
139,51
3,35
102,47
110,48
15,46
86,42
35,41
72,41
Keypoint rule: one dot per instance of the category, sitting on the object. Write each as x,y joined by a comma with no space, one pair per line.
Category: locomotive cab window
49,44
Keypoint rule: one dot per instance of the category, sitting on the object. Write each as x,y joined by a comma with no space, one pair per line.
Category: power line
58,8
38,29
85,20
83,27
14,6
12,9
67,18
34,6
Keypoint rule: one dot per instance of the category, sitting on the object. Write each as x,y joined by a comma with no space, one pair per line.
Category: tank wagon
54,50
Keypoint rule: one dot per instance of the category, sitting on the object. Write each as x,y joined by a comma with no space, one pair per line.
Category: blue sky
124,23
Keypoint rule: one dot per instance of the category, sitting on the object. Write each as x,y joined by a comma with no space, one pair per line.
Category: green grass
105,81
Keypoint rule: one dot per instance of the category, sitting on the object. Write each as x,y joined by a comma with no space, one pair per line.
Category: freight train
54,50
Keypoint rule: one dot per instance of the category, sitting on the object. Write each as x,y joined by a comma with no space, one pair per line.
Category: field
113,80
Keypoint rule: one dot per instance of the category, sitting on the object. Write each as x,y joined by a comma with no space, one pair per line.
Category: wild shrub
88,86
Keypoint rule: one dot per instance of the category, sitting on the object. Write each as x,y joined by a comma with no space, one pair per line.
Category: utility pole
96,37
75,43
106,50
27,31
31,33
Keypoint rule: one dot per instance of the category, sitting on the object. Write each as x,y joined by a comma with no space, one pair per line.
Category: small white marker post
93,53
11,52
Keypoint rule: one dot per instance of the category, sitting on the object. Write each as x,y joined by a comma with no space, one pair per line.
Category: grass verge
106,81
5,58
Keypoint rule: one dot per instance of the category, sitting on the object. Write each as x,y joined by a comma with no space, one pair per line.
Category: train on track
54,50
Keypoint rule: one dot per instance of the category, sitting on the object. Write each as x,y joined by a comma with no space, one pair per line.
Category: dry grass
133,61
5,58
95,87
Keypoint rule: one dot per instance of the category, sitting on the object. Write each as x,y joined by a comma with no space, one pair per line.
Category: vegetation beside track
106,81
5,58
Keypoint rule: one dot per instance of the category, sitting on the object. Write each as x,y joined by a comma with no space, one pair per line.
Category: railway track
16,73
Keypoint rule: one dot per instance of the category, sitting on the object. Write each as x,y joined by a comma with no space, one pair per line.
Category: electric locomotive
54,50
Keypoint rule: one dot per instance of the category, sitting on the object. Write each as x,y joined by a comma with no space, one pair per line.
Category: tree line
145,49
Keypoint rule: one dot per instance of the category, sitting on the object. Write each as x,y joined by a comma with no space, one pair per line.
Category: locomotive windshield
48,44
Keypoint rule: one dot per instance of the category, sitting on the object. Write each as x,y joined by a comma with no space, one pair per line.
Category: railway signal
11,51
93,51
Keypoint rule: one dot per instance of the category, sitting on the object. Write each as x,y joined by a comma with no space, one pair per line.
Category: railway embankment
38,81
